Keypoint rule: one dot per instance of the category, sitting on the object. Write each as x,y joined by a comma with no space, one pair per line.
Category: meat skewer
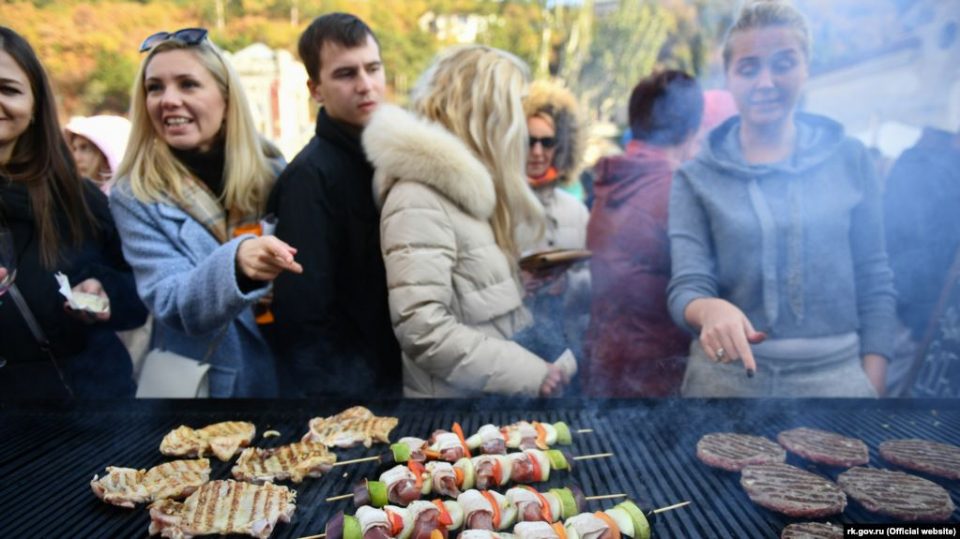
489,439
401,485
420,521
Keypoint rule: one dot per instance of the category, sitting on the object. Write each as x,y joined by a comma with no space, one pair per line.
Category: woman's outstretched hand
725,332
553,382
263,258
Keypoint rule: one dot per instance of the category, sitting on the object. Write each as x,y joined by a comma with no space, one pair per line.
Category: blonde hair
476,92
765,13
556,105
153,171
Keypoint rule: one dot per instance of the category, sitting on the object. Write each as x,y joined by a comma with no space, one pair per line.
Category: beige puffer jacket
454,299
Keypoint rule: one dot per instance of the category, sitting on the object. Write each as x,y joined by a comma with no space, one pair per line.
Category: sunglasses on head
189,36
546,142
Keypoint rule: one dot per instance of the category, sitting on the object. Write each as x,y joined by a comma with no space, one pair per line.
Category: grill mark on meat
825,447
926,456
352,426
792,491
731,451
812,530
205,507
896,494
235,501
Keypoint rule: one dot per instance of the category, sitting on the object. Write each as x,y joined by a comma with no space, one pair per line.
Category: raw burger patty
789,490
896,494
825,447
734,451
812,530
925,456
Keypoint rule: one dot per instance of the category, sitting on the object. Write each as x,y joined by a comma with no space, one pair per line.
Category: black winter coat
94,360
332,335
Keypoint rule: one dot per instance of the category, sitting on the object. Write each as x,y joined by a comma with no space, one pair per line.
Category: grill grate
49,452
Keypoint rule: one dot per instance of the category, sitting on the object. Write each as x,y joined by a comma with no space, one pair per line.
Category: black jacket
923,224
95,361
333,335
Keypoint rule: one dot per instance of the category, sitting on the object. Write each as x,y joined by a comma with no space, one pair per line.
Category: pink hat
108,133
718,106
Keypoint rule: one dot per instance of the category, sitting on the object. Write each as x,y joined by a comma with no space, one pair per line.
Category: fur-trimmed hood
403,147
556,101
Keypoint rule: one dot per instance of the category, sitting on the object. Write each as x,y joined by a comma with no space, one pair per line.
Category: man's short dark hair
666,108
343,29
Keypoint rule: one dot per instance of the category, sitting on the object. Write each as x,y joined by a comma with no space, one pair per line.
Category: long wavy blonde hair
477,92
153,171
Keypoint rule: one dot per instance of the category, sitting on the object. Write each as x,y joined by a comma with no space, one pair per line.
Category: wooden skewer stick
596,456
670,507
583,431
318,536
340,497
354,461
605,496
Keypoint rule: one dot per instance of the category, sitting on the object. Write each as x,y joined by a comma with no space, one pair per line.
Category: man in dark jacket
333,335
923,224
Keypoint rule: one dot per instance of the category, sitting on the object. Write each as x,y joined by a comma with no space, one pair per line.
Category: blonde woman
192,184
451,185
776,236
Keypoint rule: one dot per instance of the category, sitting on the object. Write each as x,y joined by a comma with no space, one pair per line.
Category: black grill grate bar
73,472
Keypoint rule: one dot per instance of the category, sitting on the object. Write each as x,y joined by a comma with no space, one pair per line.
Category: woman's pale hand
725,332
875,366
89,286
264,257
553,382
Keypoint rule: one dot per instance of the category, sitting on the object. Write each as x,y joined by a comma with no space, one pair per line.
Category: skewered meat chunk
223,439
731,451
812,530
351,427
825,447
896,494
126,487
925,456
294,461
222,507
792,491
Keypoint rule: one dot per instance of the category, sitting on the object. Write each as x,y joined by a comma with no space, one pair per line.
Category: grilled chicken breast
294,461
126,487
351,427
222,439
223,507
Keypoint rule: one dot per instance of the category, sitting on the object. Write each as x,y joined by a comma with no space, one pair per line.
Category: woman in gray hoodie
777,238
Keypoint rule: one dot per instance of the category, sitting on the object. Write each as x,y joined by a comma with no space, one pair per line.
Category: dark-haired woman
635,350
58,224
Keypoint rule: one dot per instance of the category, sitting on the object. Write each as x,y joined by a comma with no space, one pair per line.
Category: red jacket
634,347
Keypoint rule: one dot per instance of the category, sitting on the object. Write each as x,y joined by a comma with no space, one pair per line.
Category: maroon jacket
634,347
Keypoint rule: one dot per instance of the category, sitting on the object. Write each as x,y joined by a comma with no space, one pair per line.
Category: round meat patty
896,494
794,492
812,530
731,451
825,447
934,458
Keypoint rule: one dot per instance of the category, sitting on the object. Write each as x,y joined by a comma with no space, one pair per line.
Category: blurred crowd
737,246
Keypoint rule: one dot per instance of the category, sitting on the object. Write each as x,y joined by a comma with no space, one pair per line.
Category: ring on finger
721,353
